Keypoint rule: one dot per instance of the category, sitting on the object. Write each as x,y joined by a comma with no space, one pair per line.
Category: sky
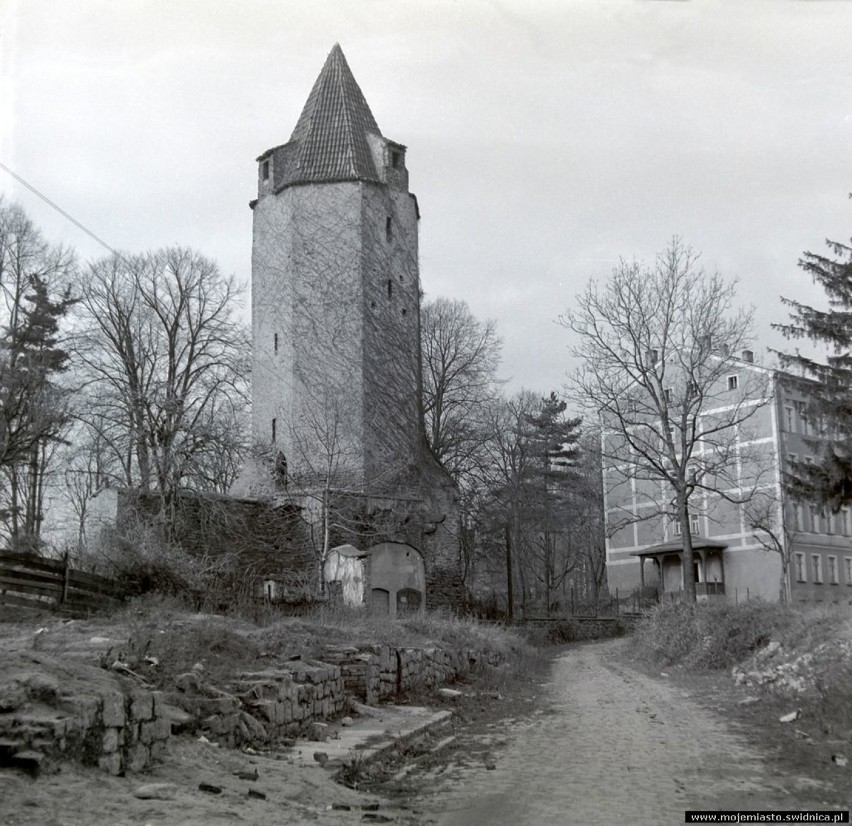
546,140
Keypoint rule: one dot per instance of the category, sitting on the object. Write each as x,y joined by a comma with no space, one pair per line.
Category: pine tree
826,384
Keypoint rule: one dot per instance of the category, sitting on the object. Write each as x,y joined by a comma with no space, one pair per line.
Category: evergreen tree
33,407
826,384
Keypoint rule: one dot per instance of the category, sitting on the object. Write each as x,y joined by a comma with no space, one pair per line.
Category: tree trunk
688,556
510,597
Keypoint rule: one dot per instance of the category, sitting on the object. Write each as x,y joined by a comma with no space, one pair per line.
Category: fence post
63,597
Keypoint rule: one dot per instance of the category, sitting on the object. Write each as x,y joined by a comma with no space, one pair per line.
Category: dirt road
616,746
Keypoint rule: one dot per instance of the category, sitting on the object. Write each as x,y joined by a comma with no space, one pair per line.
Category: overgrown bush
562,632
709,635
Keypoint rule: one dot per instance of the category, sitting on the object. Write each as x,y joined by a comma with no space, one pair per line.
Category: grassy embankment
161,637
800,655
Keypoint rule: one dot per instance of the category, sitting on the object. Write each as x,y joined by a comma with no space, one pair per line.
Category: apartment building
750,539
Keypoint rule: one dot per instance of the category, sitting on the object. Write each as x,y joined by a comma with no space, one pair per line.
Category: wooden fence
34,582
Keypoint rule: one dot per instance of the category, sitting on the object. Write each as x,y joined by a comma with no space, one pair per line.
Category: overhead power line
61,211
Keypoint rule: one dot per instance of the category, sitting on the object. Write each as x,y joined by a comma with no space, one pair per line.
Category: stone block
110,740
110,763
138,757
86,709
219,705
146,732
114,709
257,732
141,705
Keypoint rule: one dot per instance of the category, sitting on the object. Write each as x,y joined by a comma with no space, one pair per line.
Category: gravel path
618,747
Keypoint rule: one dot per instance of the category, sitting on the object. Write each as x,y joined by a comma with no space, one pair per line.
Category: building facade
750,539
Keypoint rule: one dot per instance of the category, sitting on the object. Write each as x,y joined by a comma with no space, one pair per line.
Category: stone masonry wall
86,714
263,707
98,718
374,673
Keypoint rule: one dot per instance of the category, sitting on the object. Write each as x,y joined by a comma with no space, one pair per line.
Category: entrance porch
667,558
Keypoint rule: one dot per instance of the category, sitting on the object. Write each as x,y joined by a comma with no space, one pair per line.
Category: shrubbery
712,636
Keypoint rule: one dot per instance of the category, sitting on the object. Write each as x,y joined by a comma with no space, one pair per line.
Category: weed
712,636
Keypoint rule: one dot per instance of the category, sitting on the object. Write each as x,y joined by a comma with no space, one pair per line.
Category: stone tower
336,367
335,298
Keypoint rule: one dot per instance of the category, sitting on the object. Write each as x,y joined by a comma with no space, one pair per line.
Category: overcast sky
545,139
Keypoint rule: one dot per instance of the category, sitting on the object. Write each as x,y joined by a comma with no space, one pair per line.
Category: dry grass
160,637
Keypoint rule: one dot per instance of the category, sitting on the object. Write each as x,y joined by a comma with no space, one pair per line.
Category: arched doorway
397,571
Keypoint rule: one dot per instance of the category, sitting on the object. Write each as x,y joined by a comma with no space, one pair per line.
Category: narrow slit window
273,429
390,288
396,158
264,170
389,228
275,342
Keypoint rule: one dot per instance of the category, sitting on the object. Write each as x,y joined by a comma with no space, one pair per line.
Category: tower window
273,429
389,228
275,342
264,170
396,158
404,311
390,288
733,382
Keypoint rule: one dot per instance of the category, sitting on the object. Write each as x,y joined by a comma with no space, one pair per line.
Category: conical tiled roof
330,138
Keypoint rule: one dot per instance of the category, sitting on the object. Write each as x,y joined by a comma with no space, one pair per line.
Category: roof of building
330,141
674,546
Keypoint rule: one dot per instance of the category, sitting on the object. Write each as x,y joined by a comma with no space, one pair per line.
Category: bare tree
166,370
34,410
657,348
770,523
460,359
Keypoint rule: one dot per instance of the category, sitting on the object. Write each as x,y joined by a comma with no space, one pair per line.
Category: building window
273,429
692,389
275,342
816,567
801,572
832,570
815,521
396,159
798,518
694,525
788,412
389,228
669,394
847,561
390,288
264,170
404,311
843,521
733,382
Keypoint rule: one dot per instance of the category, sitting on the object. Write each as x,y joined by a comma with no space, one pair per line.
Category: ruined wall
50,712
262,707
267,539
375,673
